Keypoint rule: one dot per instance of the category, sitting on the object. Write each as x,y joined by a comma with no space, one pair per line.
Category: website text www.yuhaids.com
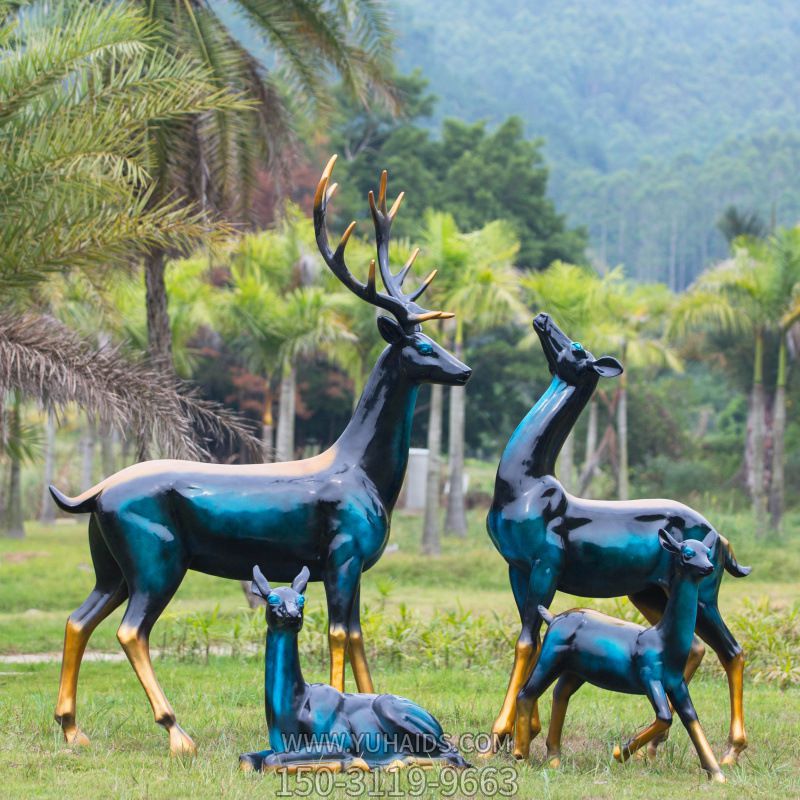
379,743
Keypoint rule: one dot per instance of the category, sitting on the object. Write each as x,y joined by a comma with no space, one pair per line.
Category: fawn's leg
658,699
567,685
358,657
109,592
683,705
544,673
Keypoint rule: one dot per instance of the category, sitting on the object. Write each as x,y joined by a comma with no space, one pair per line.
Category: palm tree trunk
267,429
622,438
566,462
47,511
108,442
456,519
430,531
15,521
756,471
87,454
589,461
284,444
159,333
778,434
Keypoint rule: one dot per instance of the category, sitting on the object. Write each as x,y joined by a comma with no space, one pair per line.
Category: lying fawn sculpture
583,645
153,521
592,548
316,726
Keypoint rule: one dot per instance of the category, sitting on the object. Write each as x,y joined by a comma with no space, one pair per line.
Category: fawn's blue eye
274,600
301,601
577,346
688,552
425,348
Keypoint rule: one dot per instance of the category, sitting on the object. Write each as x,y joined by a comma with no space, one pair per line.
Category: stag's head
693,558
421,358
569,360
284,604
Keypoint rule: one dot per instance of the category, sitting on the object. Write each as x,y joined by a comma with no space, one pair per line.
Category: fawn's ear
260,585
607,367
301,581
667,542
711,540
390,330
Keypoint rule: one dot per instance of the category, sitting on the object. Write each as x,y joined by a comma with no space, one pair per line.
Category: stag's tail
731,564
84,503
546,615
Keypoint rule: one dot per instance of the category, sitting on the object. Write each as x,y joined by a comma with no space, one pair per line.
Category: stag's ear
390,330
301,581
667,542
711,540
260,585
607,367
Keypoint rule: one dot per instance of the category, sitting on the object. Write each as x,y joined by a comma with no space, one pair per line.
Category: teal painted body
312,722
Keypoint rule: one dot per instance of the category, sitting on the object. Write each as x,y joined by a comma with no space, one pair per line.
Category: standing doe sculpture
153,521
312,725
553,540
583,645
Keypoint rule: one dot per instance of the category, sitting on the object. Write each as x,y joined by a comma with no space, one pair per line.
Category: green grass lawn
48,574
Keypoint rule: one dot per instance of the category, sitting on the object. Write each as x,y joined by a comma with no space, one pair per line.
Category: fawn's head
284,604
692,557
422,359
568,360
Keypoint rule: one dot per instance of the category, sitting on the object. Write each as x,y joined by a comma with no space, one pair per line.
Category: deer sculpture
317,727
153,521
553,540
583,645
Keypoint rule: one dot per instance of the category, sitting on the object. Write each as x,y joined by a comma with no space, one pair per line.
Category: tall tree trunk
267,429
430,531
108,449
757,437
87,454
456,519
778,433
159,333
566,463
15,520
47,511
284,440
589,461
622,437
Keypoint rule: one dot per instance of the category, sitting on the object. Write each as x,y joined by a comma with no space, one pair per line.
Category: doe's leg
358,656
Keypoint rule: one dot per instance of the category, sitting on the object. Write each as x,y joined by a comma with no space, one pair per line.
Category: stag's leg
530,590
109,592
342,575
358,657
567,685
714,631
651,603
683,705
658,699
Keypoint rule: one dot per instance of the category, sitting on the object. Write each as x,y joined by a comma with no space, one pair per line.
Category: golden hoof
554,761
395,766
180,743
245,766
358,765
731,757
718,777
75,737
618,754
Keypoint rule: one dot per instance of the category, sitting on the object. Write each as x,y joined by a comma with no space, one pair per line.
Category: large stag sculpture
152,522
553,540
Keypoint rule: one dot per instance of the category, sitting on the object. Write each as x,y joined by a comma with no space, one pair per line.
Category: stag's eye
577,346
424,348
301,601
274,600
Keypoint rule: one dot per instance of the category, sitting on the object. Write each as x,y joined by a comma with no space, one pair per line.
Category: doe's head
285,604
569,360
693,558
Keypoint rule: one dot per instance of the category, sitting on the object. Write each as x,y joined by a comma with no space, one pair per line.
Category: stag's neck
283,679
676,627
378,436
534,446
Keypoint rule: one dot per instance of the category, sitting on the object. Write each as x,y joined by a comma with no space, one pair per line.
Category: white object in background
416,479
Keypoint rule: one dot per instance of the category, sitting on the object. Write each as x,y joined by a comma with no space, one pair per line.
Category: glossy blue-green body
309,722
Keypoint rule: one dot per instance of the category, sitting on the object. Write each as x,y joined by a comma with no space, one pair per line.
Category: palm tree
209,159
483,291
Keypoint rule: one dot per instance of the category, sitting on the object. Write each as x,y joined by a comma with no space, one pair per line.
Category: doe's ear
607,367
301,581
260,585
667,542
390,330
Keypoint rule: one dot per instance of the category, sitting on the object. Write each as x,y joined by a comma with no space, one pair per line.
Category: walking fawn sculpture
583,645
152,522
318,727
592,548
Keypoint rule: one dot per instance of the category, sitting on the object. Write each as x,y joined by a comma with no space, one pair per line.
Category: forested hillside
656,115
